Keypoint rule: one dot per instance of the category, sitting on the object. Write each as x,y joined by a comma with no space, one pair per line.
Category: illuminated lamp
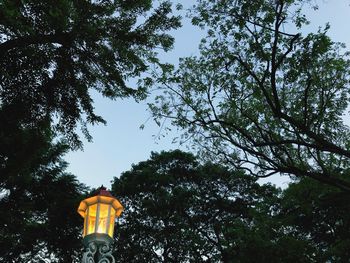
99,213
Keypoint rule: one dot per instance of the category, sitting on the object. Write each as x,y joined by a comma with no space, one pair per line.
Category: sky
121,143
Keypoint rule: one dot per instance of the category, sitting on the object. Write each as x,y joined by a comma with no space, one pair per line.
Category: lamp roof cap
102,191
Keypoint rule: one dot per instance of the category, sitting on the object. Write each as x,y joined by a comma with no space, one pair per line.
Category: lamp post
99,213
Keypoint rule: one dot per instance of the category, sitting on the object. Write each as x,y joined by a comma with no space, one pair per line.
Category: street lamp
99,213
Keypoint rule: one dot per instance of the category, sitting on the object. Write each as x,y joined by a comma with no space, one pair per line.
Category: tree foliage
53,54
38,203
263,95
38,199
177,210
318,214
257,97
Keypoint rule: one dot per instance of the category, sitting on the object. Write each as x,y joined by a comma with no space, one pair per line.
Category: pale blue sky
121,142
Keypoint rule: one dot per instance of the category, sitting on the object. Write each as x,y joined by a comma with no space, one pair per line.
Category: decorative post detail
99,213
89,254
106,254
98,251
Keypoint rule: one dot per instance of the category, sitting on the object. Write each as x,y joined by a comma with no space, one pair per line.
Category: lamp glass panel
91,219
111,222
103,219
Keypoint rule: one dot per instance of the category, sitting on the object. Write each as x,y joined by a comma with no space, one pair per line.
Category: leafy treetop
262,98
53,53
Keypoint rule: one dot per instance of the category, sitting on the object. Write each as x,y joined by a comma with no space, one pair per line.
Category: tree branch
59,38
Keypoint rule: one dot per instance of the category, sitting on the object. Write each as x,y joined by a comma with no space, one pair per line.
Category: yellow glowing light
99,213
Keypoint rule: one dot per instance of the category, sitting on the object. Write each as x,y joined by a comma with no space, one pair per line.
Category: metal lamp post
99,213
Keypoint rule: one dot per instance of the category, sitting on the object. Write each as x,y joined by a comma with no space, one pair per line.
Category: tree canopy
263,95
53,56
177,210
38,205
54,53
319,214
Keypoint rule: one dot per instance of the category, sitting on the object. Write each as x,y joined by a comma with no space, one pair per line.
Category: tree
177,210
262,98
54,53
38,205
320,215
